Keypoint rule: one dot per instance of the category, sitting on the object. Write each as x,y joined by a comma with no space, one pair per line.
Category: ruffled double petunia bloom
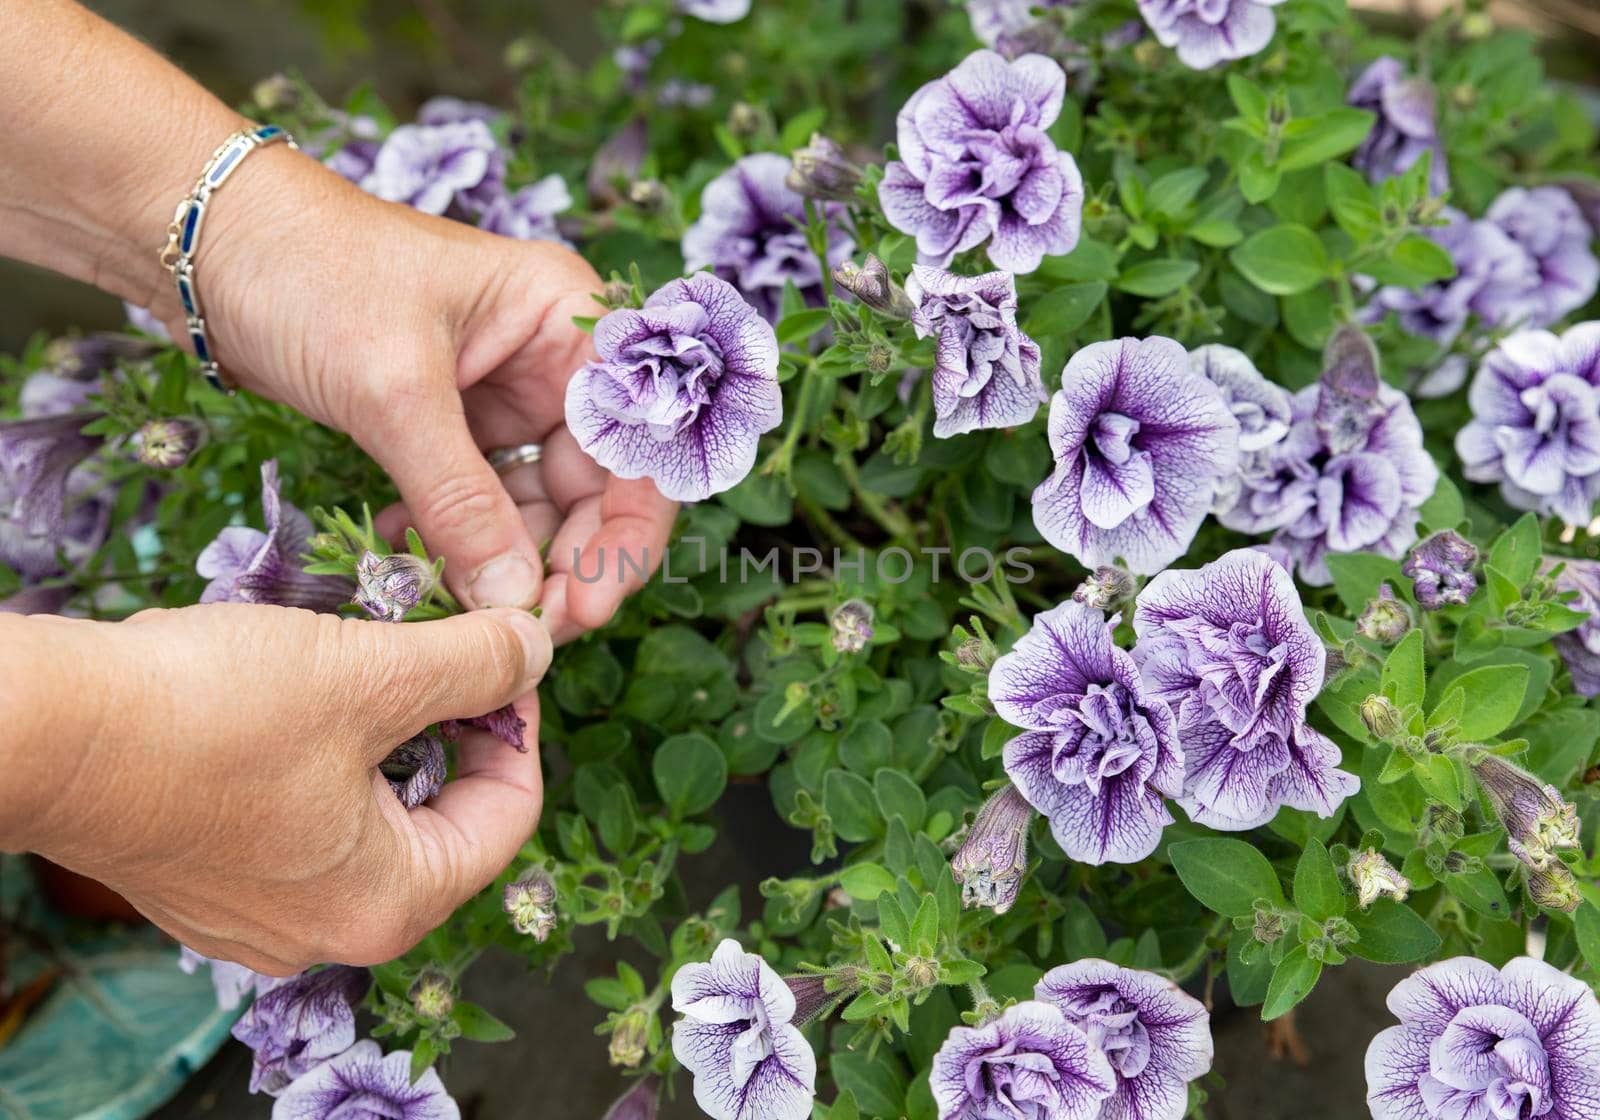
298,1024
1206,32
1142,444
1031,1061
1100,754
1476,1041
682,390
1228,648
365,1082
1406,128
977,165
1536,422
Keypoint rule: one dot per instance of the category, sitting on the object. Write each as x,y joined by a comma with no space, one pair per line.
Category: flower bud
640,1102
852,626
1268,927
433,995
1350,385
389,586
1441,570
1555,888
530,899
921,973
90,356
1386,619
648,195
1440,823
1538,821
1105,588
744,120
977,655
168,444
275,93
618,293
811,996
990,862
1477,25
871,284
1381,717
415,769
630,1037
1375,877
820,170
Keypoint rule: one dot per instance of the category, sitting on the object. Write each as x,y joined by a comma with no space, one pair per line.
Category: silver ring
507,459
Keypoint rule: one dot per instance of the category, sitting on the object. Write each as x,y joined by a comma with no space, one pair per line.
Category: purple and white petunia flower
1440,569
1099,755
1407,127
1479,1043
300,1023
1206,32
1142,444
992,19
1350,475
434,168
530,213
715,11
1029,1063
415,769
247,565
751,232
364,1083
52,500
1262,409
234,983
1580,648
977,165
1156,1037
1535,425
1547,224
443,109
986,372
1228,647
738,1040
682,390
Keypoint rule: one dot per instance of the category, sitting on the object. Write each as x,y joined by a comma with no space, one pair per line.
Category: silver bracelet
183,236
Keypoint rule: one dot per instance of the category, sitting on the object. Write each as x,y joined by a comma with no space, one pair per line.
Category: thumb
457,502
453,668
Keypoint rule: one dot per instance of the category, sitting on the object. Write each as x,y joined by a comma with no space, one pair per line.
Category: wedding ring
507,459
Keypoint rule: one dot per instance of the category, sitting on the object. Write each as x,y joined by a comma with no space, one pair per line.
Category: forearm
54,681
99,139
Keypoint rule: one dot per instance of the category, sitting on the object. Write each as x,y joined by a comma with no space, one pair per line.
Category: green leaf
1175,190
1392,933
1439,779
925,927
802,324
1329,136
899,796
1445,509
1516,552
422,1056
1480,891
1317,893
1247,983
1352,201
864,882
1403,676
690,773
1283,260
1225,875
1249,98
1422,260
1154,279
876,1081
1064,309
867,746
1089,260
1257,181
849,800
1496,693
1586,922
1357,575
1292,982
480,1026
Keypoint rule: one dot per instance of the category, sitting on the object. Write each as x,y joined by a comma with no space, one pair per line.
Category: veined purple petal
365,1082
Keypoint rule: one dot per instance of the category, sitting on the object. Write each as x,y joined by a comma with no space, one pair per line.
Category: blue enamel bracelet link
183,236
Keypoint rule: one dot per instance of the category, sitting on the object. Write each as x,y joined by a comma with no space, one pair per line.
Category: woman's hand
430,342
222,772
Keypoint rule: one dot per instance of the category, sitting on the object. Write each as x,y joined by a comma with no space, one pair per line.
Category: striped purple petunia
1536,422
1156,1036
51,499
977,165
738,1039
1406,128
986,371
1142,445
1228,647
298,1024
1099,755
1029,1063
364,1083
1206,32
1480,1043
681,391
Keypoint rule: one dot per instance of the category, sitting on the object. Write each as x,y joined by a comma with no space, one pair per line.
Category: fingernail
536,645
506,581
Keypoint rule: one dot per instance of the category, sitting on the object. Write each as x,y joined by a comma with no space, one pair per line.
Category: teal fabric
118,1035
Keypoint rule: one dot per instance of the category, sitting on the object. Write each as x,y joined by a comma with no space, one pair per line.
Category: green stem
889,519
1180,972
782,459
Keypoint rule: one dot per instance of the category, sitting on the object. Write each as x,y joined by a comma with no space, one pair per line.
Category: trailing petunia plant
1140,464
